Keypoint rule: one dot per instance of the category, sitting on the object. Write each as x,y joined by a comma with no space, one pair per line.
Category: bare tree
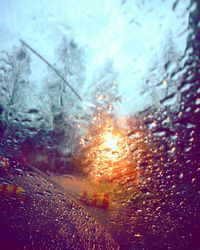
14,84
64,104
104,89
162,80
14,73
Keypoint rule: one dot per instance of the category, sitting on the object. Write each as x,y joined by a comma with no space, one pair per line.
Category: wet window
99,124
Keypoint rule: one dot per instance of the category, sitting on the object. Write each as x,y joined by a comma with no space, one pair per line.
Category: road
48,217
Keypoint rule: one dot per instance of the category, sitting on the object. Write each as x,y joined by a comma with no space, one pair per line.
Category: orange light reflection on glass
105,155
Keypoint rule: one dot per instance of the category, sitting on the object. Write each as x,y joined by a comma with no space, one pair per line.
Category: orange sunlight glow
111,141
105,153
110,154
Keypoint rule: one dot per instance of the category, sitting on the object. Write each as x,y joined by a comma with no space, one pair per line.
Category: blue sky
132,34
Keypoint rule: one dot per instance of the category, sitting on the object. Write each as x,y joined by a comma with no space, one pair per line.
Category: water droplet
197,102
181,176
170,66
169,100
33,111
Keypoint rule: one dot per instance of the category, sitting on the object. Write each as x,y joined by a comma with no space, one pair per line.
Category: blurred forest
42,127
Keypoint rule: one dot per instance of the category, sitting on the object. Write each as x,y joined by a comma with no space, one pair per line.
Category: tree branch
53,68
